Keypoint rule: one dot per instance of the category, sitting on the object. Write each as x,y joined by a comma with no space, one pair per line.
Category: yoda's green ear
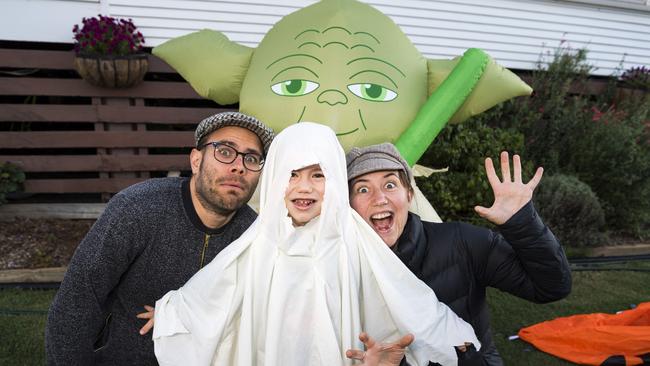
213,65
497,85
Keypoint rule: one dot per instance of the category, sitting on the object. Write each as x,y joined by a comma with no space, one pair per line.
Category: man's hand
510,194
380,354
148,315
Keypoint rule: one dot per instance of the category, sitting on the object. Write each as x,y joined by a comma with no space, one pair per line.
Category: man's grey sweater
148,241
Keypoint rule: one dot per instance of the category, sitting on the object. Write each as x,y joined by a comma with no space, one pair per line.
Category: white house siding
515,32
43,20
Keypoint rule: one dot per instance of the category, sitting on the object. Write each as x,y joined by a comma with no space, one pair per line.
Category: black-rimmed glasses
227,154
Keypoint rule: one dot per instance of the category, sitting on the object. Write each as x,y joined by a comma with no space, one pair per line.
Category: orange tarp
596,339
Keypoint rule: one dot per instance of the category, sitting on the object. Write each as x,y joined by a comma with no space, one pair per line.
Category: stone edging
39,275
51,210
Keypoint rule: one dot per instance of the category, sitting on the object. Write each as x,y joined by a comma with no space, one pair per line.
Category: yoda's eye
294,88
372,92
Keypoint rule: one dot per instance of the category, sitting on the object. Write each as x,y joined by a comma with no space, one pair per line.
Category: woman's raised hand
510,193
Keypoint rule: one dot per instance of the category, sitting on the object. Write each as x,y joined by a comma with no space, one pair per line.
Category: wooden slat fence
71,137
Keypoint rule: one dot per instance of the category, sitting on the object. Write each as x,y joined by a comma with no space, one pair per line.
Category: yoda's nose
332,97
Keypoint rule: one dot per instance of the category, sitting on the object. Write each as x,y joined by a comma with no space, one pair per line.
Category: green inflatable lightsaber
441,105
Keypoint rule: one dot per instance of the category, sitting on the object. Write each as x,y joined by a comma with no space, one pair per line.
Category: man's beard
221,204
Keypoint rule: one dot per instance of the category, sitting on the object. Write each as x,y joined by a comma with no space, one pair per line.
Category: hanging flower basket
108,52
112,71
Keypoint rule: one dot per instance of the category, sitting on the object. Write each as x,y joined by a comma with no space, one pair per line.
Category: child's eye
391,185
294,174
319,175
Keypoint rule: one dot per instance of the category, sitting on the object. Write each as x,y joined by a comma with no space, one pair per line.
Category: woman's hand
510,194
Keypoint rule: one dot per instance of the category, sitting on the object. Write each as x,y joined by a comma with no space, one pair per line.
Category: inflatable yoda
344,64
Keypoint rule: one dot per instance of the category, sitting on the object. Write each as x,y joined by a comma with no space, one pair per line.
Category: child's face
304,195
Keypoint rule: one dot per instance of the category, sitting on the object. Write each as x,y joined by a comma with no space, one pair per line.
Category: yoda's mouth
338,133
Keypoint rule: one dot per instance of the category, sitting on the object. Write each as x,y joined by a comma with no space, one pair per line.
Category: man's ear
195,160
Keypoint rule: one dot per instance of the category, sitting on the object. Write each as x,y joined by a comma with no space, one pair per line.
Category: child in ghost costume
284,294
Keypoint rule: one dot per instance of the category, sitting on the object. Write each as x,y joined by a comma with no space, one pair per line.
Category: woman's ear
195,160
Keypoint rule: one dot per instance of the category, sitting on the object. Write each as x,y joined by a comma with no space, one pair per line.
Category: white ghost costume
293,296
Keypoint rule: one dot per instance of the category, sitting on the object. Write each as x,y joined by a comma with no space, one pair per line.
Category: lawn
22,320
23,312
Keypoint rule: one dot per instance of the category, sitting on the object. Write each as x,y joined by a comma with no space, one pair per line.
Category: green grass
22,321
22,314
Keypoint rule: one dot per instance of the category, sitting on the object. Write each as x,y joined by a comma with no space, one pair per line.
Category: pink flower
597,114
107,35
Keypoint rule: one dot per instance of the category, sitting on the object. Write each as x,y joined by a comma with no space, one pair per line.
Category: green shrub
463,149
11,178
601,140
572,211
614,159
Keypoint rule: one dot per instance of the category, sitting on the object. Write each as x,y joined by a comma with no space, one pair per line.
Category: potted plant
108,52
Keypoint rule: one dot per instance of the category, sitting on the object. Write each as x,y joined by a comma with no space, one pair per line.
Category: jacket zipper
206,241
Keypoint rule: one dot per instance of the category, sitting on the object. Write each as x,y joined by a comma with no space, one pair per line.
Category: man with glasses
151,238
